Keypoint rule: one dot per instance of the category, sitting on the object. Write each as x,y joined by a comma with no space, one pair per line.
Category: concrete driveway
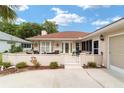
61,78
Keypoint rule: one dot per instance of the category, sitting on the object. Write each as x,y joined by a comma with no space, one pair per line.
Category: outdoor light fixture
101,37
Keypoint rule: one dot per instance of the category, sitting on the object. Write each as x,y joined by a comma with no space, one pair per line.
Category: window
71,47
66,47
87,45
83,46
90,45
96,47
62,48
26,45
45,47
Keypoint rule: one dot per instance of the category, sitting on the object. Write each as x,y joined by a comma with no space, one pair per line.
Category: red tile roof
68,34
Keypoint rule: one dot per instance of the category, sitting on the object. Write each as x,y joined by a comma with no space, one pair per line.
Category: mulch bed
86,67
29,68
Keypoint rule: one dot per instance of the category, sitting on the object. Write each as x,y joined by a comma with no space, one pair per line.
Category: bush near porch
22,66
53,65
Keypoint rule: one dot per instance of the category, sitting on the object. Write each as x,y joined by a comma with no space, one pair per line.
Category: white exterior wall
104,45
4,46
27,49
98,58
57,47
7,46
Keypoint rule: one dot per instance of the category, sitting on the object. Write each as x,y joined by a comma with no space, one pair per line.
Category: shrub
15,49
53,65
21,65
5,64
6,51
92,64
19,49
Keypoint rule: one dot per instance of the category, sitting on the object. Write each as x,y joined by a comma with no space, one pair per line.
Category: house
6,42
105,45
61,42
108,42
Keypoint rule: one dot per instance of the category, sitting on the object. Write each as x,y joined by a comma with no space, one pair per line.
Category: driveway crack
94,79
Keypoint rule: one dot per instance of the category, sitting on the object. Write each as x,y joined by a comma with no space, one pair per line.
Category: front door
66,47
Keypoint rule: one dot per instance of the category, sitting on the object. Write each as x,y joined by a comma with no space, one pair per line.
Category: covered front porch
56,47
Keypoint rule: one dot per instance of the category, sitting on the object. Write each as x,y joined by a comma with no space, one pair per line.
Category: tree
50,27
29,29
7,13
9,28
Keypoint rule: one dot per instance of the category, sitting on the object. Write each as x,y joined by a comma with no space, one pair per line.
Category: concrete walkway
107,78
61,78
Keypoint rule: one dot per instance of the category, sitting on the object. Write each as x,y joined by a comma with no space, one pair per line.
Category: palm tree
7,13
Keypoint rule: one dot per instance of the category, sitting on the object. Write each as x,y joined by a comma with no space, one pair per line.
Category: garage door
116,47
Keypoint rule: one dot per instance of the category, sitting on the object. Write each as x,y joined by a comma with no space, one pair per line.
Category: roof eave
33,39
105,28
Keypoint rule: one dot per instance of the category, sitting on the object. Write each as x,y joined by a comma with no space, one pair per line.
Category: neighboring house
6,42
61,42
107,42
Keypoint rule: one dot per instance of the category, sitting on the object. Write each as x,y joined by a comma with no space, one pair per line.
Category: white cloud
59,11
100,22
84,7
116,18
20,20
23,7
63,18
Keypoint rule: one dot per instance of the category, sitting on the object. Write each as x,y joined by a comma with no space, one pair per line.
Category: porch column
63,47
50,48
69,47
40,47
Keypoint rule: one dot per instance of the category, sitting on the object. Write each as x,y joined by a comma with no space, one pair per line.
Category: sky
86,18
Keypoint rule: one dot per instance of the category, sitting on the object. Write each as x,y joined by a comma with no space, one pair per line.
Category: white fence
85,58
42,59
45,59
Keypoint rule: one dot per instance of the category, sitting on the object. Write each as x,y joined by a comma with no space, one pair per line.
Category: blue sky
71,18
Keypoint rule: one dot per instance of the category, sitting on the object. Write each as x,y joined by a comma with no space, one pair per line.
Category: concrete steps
72,65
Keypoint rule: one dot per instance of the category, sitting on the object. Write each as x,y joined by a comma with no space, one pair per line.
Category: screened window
83,46
87,45
96,47
26,45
